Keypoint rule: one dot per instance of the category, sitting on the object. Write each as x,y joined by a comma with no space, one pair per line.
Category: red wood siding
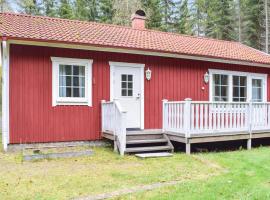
33,119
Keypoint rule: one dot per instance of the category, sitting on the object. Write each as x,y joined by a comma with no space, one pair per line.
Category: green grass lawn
230,175
105,171
247,177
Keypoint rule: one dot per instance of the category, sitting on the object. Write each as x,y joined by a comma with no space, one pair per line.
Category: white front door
128,90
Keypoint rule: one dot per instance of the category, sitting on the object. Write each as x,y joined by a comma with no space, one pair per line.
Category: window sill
72,103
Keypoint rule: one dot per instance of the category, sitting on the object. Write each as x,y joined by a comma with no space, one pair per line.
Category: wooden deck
149,135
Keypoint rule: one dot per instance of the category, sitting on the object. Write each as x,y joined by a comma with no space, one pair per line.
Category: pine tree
50,8
153,13
106,11
65,11
86,10
253,28
5,6
31,7
199,13
219,20
167,10
183,20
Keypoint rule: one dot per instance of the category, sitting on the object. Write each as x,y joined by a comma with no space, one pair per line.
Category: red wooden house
56,73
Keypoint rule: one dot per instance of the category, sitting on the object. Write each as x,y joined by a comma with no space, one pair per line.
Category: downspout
5,93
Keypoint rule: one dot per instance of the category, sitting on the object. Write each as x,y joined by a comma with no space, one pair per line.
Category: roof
37,28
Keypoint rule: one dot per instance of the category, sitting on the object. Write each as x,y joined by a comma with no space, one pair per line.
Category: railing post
187,120
114,129
123,133
102,116
250,124
164,115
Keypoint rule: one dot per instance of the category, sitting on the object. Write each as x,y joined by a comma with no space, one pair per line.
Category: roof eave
119,49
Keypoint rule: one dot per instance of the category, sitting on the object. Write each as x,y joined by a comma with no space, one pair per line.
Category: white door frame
136,65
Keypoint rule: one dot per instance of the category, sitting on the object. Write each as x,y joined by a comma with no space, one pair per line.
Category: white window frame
230,74
56,100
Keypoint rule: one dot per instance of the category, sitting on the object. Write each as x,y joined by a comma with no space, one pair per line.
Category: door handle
138,96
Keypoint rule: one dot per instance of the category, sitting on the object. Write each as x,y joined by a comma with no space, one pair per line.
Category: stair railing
114,120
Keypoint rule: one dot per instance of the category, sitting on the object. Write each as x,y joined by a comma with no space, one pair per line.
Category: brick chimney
138,19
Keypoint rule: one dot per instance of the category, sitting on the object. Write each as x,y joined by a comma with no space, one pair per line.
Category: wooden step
162,140
147,149
151,136
153,155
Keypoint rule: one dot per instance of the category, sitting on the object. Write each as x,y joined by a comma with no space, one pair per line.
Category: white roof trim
139,52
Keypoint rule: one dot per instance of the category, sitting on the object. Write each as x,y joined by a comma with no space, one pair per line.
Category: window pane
224,91
130,85
224,79
257,90
256,94
78,70
216,79
243,81
82,81
78,81
235,80
124,92
124,85
65,70
65,81
130,77
76,92
65,92
124,77
243,92
257,82
235,92
130,93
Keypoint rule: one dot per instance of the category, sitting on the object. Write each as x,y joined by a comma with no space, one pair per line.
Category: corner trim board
5,94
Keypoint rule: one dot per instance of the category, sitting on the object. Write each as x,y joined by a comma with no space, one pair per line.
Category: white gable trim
139,52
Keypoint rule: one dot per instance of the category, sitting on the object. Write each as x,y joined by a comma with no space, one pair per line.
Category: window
220,87
234,86
239,88
72,80
127,85
257,90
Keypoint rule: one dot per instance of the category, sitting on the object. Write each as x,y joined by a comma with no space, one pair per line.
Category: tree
5,6
153,13
167,10
183,20
49,8
31,7
124,9
65,11
86,10
219,20
106,11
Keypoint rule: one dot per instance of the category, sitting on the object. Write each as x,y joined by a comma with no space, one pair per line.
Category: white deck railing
200,117
114,120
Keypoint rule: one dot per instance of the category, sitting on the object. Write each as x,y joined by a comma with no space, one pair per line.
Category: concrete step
162,140
148,149
153,155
